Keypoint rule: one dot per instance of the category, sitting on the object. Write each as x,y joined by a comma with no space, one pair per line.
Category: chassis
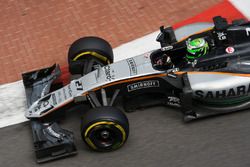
213,84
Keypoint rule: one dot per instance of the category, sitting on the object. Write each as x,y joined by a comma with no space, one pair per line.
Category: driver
196,48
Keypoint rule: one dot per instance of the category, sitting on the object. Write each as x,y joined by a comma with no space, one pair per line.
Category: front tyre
104,128
87,52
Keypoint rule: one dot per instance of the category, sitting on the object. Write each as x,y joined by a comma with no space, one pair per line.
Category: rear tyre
104,128
86,53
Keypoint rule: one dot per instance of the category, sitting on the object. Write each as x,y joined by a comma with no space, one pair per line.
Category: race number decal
78,85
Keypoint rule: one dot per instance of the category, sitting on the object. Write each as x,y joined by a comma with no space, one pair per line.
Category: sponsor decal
174,101
142,85
230,49
54,99
214,66
69,91
248,31
166,48
45,90
59,95
43,106
221,36
232,92
132,66
64,94
109,74
53,133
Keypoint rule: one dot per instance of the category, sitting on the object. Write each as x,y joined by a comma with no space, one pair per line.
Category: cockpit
211,44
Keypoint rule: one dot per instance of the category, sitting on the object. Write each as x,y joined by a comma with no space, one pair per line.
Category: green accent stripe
226,102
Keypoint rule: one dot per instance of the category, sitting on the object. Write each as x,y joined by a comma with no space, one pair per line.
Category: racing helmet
196,48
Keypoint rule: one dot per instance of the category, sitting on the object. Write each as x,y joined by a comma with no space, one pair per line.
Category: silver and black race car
203,74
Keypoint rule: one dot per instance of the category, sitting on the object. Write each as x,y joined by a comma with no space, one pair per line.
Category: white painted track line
243,6
12,103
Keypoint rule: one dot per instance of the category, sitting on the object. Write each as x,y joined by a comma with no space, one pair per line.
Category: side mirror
166,36
220,23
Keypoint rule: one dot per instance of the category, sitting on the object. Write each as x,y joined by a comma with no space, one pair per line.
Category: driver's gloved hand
163,62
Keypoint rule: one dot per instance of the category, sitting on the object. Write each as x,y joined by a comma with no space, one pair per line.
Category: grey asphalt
158,137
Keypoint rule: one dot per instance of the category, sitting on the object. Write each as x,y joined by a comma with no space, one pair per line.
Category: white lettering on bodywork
143,84
174,101
248,31
53,133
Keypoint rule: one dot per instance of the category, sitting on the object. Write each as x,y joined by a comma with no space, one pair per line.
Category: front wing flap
51,141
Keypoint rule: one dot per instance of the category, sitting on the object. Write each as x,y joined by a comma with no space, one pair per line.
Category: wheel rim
92,53
105,137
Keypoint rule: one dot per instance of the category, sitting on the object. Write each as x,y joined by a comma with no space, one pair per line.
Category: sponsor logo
59,95
44,91
109,75
221,36
166,48
53,133
214,66
54,99
64,94
230,49
43,106
232,92
174,101
132,66
142,85
70,91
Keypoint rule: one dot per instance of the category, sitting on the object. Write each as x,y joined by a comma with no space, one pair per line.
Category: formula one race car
203,74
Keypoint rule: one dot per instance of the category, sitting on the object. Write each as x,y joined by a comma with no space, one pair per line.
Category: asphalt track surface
158,137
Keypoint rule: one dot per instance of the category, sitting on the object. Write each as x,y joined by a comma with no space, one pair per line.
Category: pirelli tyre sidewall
86,48
104,128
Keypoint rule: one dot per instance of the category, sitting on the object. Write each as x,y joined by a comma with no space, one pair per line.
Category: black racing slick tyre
104,128
87,52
